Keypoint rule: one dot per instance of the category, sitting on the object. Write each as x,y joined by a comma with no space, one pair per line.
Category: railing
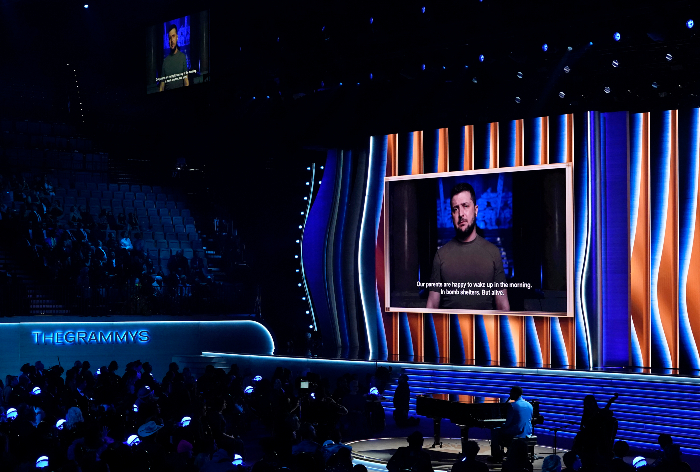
19,300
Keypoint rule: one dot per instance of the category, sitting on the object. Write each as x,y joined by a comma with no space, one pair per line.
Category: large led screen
178,53
496,241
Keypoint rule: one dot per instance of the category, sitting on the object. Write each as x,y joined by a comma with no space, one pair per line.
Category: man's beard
462,235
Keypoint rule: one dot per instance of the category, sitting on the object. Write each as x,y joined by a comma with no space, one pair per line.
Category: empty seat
128,204
163,212
153,252
188,253
158,235
139,204
141,212
197,245
84,193
150,197
105,202
174,244
170,205
102,187
174,212
96,193
181,205
185,213
152,212
60,192
171,236
164,253
140,196
81,201
135,188
149,204
165,220
153,220
143,222
129,195
94,210
161,197
157,189
193,236
149,244
123,188
158,227
199,253
179,228
161,243
92,186
94,202
190,229
169,228
118,195
146,189
160,205
68,201
170,197
185,245
146,235
182,236
177,220
108,194
113,188
116,202
71,192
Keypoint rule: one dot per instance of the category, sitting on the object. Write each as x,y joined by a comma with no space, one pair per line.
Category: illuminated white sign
76,337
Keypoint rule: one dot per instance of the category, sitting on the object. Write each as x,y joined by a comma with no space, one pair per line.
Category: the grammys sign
80,337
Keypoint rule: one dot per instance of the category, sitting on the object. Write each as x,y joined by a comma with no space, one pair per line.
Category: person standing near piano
518,424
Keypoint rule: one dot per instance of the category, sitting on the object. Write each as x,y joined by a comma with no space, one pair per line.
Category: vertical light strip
635,176
581,276
660,215
301,246
365,297
688,222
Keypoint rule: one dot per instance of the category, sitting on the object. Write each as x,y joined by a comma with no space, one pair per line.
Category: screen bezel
568,167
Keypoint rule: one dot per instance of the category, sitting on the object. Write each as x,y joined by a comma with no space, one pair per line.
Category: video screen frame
570,237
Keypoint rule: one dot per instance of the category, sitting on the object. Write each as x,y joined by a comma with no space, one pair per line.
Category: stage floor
375,453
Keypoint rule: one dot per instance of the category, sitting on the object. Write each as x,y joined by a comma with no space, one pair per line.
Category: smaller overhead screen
178,53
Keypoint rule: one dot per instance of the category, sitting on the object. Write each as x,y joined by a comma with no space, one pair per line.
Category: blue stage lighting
303,298
36,391
307,312
311,326
617,36
517,99
313,395
306,198
322,166
569,48
299,228
545,47
638,462
60,424
423,67
11,414
567,69
474,80
590,43
297,240
85,6
237,459
669,57
607,89
371,20
481,58
422,10
520,75
341,83
562,95
299,285
249,389
185,421
302,212
43,461
133,440
374,391
615,63
371,76
98,370
654,84
690,23
135,407
257,378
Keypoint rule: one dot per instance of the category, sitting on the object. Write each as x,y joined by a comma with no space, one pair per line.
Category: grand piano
465,415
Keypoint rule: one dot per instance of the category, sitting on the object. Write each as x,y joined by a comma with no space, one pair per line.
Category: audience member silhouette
412,458
469,463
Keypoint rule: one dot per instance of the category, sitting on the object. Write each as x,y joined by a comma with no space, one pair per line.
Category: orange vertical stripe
569,138
415,323
640,277
519,143
442,329
667,288
543,327
466,324
544,156
469,147
568,330
493,157
443,150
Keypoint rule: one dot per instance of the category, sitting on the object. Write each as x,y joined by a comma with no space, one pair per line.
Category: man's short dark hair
516,392
471,450
463,187
570,458
171,27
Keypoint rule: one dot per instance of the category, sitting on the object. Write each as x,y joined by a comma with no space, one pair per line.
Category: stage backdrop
637,244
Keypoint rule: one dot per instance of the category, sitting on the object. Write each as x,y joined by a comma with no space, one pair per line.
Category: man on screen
468,270
174,65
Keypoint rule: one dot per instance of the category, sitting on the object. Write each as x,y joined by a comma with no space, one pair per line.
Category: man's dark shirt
470,466
174,64
476,262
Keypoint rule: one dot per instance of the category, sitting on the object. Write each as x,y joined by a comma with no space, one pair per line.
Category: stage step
647,405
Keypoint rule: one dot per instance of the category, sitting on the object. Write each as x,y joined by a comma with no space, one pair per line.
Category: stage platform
375,453
648,404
